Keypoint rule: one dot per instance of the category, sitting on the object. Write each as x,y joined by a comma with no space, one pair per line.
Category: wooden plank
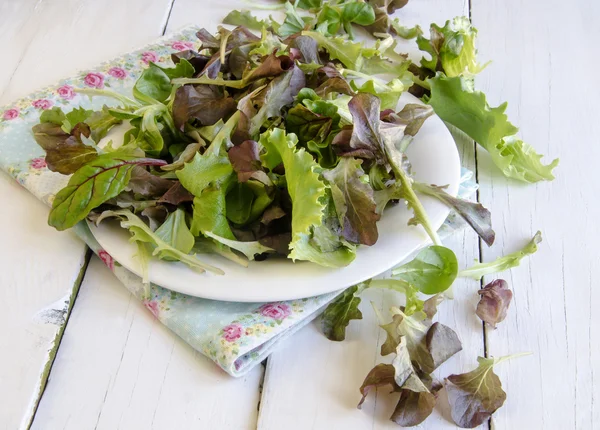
541,52
118,367
311,382
43,42
41,265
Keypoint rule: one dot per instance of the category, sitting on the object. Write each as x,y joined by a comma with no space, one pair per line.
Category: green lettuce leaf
245,18
456,103
175,232
479,270
249,249
308,195
91,185
142,233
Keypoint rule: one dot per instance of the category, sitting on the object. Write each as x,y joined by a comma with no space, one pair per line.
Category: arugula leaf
456,103
175,232
91,185
494,302
338,315
249,249
245,18
141,233
479,270
432,271
476,395
65,153
477,216
354,202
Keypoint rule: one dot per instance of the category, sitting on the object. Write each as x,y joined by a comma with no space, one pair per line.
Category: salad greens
284,139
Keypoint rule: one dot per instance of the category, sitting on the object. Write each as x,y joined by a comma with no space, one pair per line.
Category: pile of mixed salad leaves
283,138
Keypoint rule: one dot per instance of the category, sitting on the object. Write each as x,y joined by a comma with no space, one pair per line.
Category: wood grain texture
311,382
120,368
541,52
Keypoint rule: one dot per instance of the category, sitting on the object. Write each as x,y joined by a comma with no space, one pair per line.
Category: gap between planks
43,382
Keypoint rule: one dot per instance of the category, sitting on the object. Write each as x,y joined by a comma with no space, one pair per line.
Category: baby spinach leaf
339,313
175,232
91,185
476,395
494,302
152,86
238,203
432,271
479,270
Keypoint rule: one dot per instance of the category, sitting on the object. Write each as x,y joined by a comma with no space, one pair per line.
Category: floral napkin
236,336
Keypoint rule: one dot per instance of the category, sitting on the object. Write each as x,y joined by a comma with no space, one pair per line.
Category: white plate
434,159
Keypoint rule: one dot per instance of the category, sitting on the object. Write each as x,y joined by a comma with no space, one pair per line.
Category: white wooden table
67,324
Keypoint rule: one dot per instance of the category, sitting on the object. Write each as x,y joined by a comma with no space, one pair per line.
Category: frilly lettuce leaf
340,312
309,201
452,48
456,103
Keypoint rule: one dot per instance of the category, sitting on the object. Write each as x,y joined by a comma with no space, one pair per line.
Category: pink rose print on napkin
149,56
38,163
117,72
66,92
107,259
277,311
182,46
152,306
94,80
10,114
232,332
42,104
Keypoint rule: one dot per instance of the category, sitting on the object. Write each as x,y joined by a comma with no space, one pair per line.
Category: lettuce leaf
308,195
141,233
454,100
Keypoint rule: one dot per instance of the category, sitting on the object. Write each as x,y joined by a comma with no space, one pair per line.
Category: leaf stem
108,93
